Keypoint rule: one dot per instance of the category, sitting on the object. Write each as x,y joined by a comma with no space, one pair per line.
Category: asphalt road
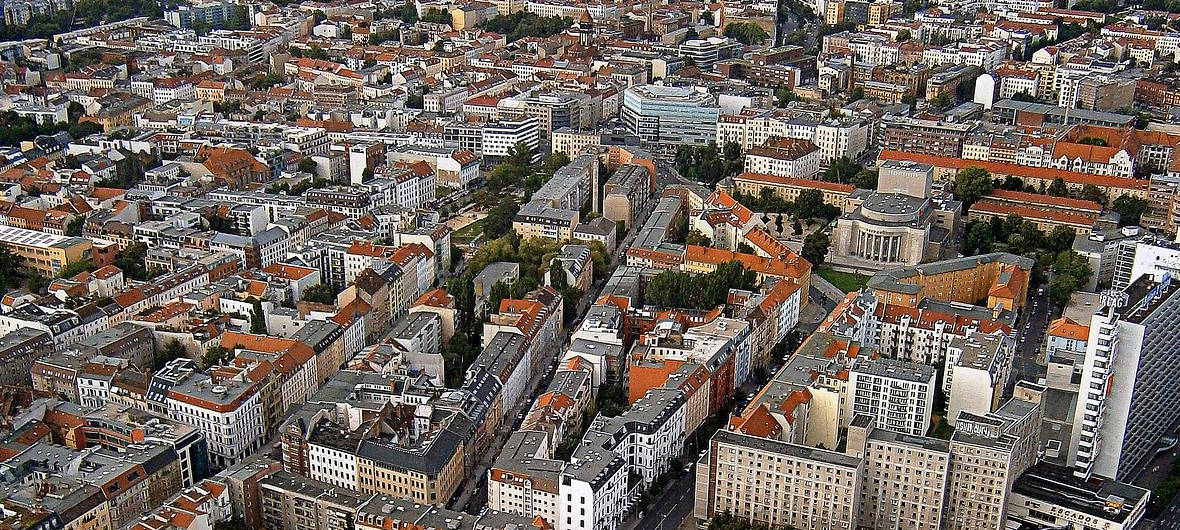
673,506
1170,519
1031,329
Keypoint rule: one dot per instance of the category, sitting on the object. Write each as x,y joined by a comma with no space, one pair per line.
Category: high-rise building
1130,391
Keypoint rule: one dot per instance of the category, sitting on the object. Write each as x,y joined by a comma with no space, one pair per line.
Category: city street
671,509
1031,329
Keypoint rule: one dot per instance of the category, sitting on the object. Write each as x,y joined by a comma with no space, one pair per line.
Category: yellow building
1000,278
880,12
543,221
429,474
43,253
789,188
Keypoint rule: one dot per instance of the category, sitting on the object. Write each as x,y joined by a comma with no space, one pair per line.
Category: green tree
8,266
942,101
702,291
815,247
306,165
216,355
1130,209
978,238
131,261
499,219
748,33
842,170
75,268
36,283
1091,192
74,227
784,96
1057,188
239,18
172,349
972,183
810,204
525,24
257,318
695,237
865,179
320,293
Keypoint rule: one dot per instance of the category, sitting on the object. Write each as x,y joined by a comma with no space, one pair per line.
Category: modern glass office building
670,115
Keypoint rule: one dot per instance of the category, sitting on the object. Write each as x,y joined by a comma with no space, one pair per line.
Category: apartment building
778,484
988,454
976,371
898,396
225,405
913,135
525,479
1000,278
1127,390
834,137
627,193
904,481
784,157
43,253
18,350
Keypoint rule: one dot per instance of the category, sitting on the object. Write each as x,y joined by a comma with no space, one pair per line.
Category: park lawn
468,233
844,281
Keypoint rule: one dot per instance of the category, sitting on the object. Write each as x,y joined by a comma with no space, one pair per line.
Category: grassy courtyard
844,281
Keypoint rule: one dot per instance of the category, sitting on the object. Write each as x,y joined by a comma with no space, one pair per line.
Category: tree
695,237
131,261
810,204
320,293
257,317
319,16
702,291
36,284
707,163
499,219
1091,192
525,24
8,264
239,18
172,349
75,268
216,355
842,170
74,227
865,179
437,16
942,101
748,33
1057,188
306,165
1129,208
978,238
784,96
200,27
971,184
815,247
